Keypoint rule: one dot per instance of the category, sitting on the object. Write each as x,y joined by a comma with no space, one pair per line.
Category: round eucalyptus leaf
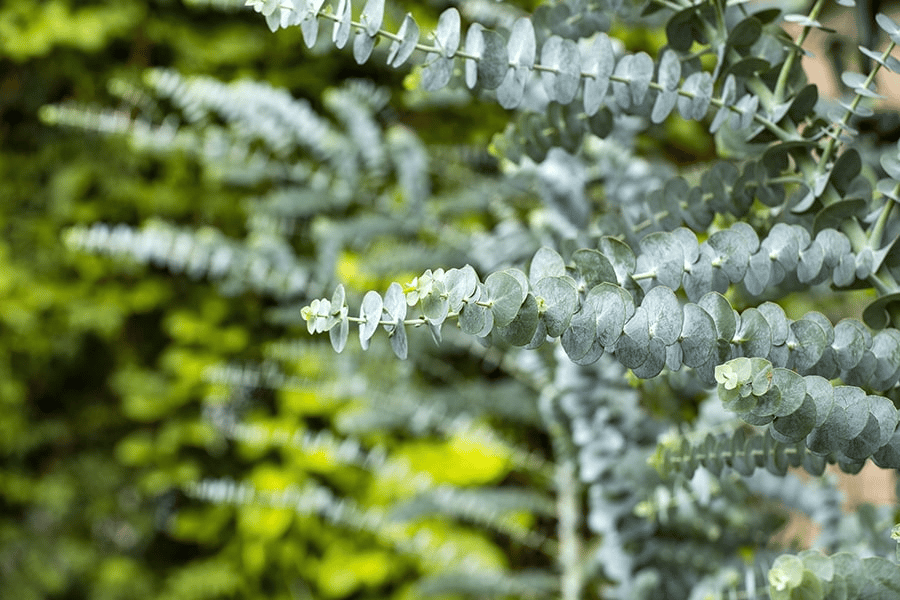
835,244
823,322
674,357
885,413
363,44
663,257
546,263
599,64
745,33
888,456
690,247
680,29
338,298
621,91
891,165
593,267
698,280
372,16
782,244
400,51
664,314
865,263
580,339
875,314
809,341
341,32
474,319
399,342
827,366
759,421
866,442
370,311
863,373
475,48
727,97
754,334
796,426
779,355
855,406
520,276
761,380
793,391
851,339
822,393
521,330
886,348
447,34
581,334
857,82
620,257
521,47
744,68
888,189
845,273
512,88
557,301
776,460
613,307
748,104
734,401
656,360
663,105
641,74
632,348
436,73
735,374
592,356
766,405
569,77
845,169
494,60
690,90
395,302
887,24
739,460
804,103
505,295
777,320
309,27
460,284
435,306
811,261
698,336
669,70
699,86
722,314
759,272
551,56
338,335
731,251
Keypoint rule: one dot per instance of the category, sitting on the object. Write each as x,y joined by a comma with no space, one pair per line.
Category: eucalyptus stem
792,56
568,500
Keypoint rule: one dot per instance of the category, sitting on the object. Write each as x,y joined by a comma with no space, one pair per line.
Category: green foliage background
102,365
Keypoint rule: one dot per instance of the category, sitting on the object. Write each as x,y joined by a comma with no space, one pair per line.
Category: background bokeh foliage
102,363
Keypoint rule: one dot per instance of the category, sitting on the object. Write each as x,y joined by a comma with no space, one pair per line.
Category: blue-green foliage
637,310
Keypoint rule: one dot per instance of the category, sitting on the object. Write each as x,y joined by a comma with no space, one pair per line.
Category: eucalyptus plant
645,311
